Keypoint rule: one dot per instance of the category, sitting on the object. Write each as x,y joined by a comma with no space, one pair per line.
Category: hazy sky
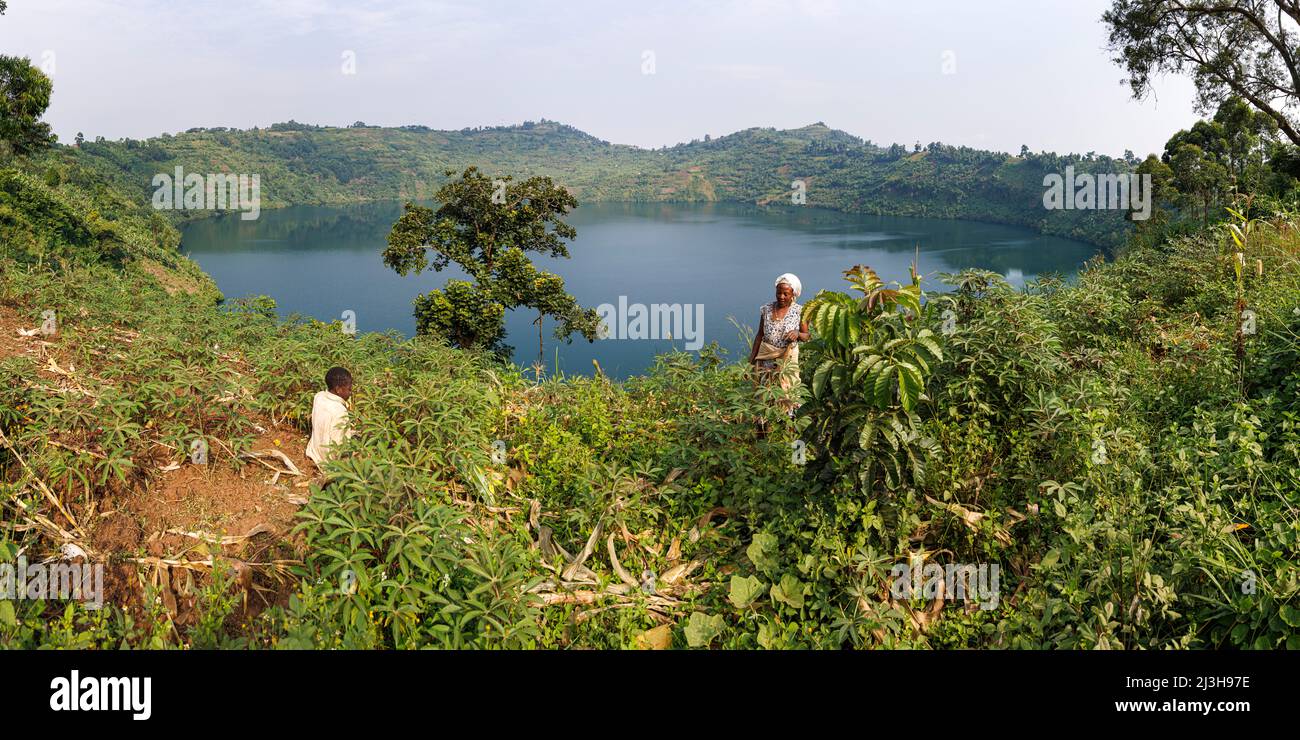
986,73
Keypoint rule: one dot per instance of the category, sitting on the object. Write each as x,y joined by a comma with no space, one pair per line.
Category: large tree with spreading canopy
1243,48
486,227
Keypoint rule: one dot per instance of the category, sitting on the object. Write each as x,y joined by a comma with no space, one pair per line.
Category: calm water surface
323,260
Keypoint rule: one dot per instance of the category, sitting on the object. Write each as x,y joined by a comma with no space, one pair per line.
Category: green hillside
307,164
56,212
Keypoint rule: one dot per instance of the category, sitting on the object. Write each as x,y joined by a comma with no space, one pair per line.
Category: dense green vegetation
58,212
1117,447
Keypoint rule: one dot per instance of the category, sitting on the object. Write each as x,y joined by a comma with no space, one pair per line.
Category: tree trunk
541,355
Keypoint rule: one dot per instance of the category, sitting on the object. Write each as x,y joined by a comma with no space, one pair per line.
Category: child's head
339,382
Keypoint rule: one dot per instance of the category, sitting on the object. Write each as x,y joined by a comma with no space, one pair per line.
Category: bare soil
240,515
11,343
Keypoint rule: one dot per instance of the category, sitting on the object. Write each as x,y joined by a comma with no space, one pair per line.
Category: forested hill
299,163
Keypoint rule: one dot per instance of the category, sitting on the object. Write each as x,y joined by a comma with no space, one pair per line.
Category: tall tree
24,96
1230,151
487,227
1246,48
1163,192
1249,137
1199,177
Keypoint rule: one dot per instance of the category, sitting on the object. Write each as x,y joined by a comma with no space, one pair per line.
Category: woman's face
784,295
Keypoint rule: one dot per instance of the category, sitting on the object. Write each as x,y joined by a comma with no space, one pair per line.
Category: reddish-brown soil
220,499
191,514
10,342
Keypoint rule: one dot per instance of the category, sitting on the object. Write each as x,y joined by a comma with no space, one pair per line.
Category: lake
323,260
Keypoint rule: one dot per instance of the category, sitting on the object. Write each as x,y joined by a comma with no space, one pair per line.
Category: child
329,415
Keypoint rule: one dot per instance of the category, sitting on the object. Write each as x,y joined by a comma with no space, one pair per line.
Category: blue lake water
323,260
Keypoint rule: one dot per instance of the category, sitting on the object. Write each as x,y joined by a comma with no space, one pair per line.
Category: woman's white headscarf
792,280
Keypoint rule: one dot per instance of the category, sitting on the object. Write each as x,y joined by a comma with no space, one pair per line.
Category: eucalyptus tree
1246,48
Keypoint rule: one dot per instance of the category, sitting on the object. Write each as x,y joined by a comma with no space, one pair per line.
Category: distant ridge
308,164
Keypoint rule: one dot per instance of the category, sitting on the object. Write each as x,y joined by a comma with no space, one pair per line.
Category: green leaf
867,436
762,552
1050,558
7,616
865,364
918,359
702,628
909,385
838,379
1290,615
744,590
881,389
925,340
819,378
789,591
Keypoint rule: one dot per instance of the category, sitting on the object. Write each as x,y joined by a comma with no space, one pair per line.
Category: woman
780,329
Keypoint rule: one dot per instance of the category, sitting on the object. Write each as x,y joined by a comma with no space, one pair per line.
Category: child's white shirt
329,422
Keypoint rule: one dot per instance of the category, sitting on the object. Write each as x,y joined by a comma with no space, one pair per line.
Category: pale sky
991,74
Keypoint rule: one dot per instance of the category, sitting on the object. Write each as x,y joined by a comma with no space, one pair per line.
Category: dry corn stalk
971,518
262,457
